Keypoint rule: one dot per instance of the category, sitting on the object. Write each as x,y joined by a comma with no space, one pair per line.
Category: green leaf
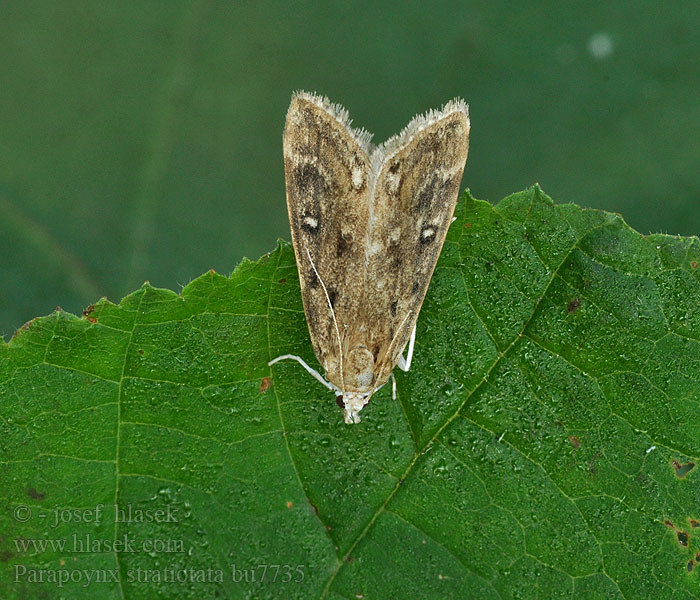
543,444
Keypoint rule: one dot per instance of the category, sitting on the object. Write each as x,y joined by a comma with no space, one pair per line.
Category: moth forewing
416,190
327,172
368,224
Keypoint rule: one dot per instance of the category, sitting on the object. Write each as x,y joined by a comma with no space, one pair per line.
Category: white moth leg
405,363
313,372
393,387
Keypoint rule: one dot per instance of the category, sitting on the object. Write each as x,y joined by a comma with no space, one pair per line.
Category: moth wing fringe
340,114
381,152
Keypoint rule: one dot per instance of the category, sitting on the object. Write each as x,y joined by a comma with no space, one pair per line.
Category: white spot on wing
311,222
357,178
393,180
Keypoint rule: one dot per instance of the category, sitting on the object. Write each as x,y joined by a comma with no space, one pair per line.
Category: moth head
352,403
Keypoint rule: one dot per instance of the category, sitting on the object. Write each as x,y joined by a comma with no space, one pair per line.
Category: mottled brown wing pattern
327,170
414,198
368,224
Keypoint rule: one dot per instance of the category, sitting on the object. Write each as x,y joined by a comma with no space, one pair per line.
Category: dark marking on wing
312,317
313,279
358,159
394,251
435,187
415,289
394,304
307,179
343,244
332,295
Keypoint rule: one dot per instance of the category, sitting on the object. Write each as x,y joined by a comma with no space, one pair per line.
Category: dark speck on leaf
88,311
682,469
32,493
682,538
573,306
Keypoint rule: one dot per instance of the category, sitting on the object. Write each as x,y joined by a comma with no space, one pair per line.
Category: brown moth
368,223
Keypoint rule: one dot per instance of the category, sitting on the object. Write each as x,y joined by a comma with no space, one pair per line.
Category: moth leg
405,363
393,386
313,372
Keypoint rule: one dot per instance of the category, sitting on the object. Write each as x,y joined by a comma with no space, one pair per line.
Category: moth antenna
335,322
313,372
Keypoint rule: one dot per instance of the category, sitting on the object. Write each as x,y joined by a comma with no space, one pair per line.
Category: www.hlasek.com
89,544
84,577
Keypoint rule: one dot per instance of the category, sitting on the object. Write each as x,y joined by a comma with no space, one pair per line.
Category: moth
368,223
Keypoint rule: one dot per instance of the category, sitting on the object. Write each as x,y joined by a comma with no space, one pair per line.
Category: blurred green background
142,139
